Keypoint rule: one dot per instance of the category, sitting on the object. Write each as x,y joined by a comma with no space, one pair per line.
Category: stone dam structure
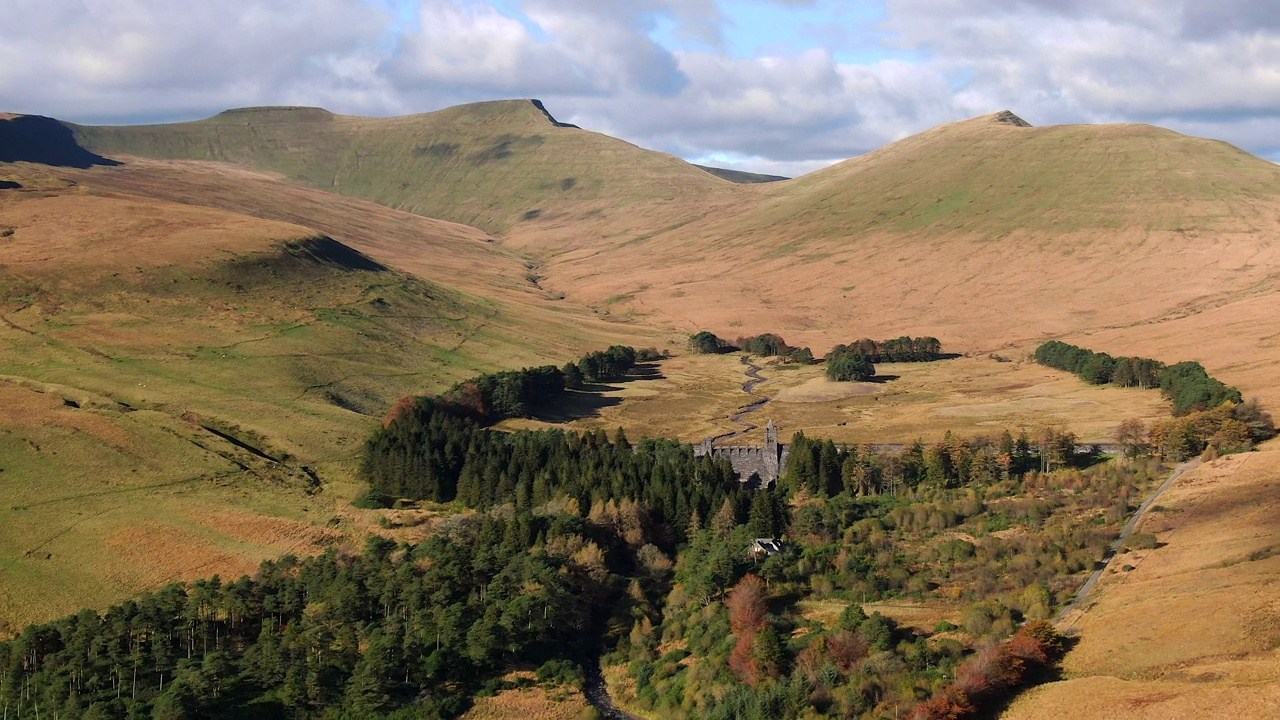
755,465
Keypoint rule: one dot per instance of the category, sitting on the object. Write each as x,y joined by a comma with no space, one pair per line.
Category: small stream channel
754,378
597,693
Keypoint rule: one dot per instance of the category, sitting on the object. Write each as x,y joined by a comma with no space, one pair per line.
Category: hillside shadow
578,404
43,140
592,398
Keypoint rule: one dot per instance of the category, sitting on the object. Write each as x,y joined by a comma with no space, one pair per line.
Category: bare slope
492,165
1191,628
984,233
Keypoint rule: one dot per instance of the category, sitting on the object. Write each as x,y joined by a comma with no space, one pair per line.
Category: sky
775,86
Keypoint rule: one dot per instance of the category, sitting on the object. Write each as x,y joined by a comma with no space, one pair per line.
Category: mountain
492,165
943,233
987,232
996,176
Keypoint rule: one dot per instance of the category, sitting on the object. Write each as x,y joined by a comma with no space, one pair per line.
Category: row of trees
1229,427
708,343
856,361
1187,384
900,349
764,345
770,345
822,468
498,396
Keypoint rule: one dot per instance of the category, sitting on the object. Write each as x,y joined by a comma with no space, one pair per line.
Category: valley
202,329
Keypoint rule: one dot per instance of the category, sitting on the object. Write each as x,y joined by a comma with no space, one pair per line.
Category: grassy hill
987,233
995,176
187,387
492,165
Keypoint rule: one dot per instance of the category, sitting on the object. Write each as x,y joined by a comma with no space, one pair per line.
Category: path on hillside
754,378
1124,535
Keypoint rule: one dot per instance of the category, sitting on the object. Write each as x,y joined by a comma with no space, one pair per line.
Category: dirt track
1119,543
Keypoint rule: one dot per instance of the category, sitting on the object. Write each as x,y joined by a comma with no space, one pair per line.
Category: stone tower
771,454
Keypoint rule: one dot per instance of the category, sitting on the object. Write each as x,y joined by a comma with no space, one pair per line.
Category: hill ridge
492,165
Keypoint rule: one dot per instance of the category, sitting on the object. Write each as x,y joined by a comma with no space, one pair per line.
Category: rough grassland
1193,630
990,236
168,324
100,503
966,396
534,703
492,165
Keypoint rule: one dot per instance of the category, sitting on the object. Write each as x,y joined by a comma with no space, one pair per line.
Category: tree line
493,397
822,468
852,362
428,452
1187,384
764,345
900,349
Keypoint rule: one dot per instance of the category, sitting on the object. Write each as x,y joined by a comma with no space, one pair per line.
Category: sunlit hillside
984,232
192,385
493,165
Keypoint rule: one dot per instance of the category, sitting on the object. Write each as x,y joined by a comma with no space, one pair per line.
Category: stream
597,693
754,378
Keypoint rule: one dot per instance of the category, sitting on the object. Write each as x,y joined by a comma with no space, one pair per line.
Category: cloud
1201,67
137,57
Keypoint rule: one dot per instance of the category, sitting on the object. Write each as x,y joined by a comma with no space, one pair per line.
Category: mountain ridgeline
490,165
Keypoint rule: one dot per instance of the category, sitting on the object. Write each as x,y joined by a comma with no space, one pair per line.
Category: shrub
374,499
1141,541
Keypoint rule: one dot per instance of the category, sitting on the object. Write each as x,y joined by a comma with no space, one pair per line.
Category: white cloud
1206,68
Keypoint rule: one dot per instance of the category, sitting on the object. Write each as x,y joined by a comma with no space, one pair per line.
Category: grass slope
1190,628
186,389
994,177
986,234
492,165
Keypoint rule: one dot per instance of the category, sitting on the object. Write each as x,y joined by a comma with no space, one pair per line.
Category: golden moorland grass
532,703
696,394
101,502
1192,628
161,319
